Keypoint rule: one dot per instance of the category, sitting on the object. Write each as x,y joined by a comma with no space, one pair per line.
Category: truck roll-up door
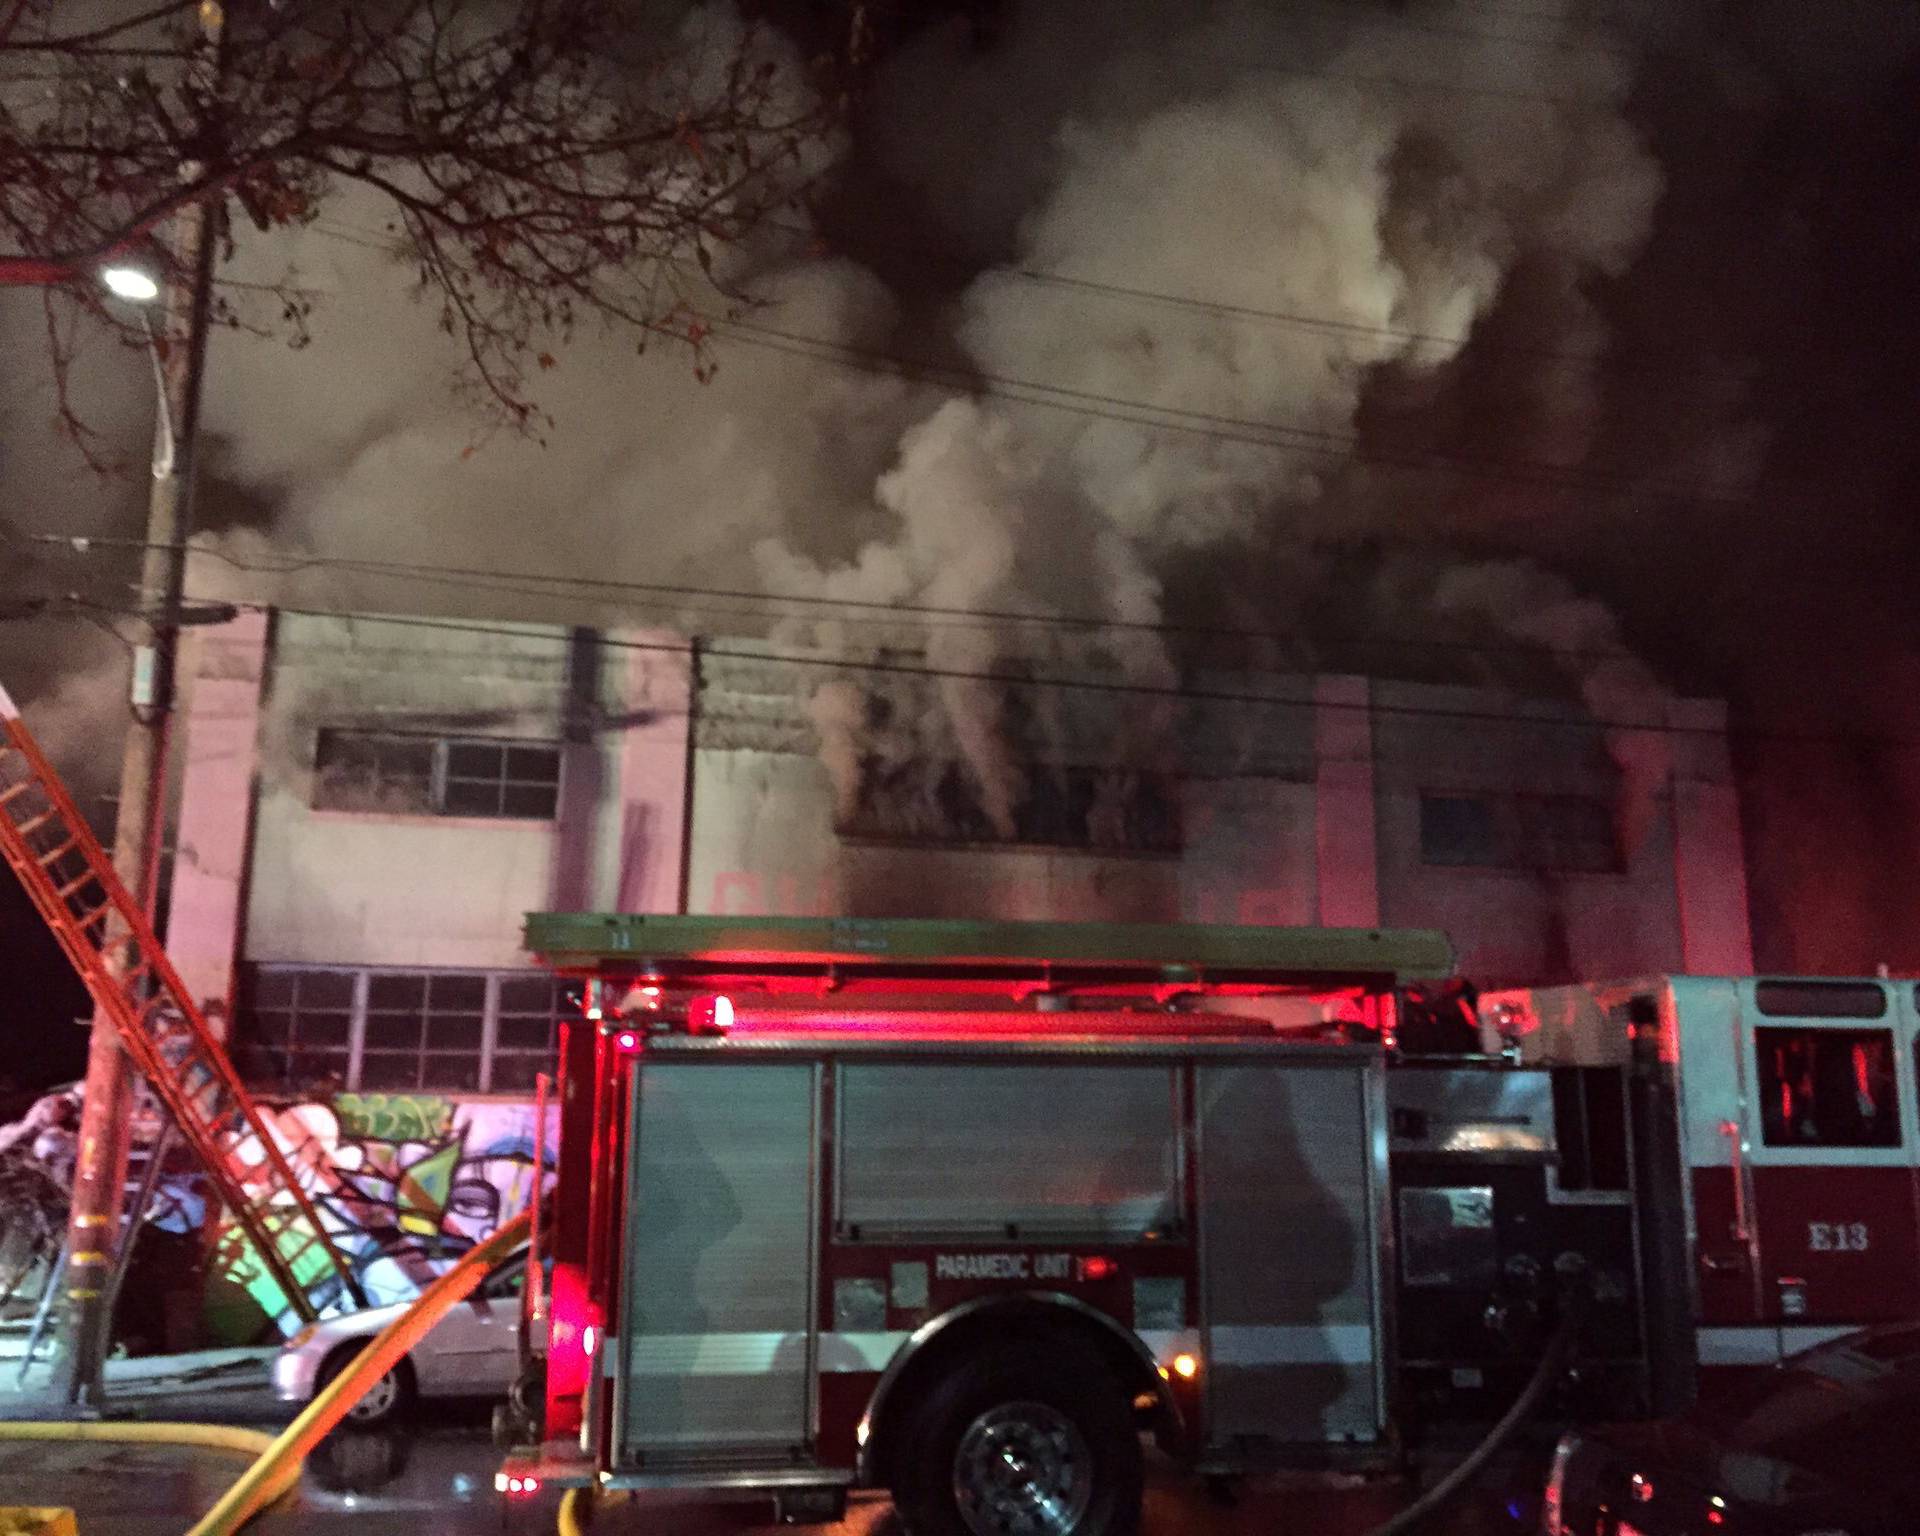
715,1337
1292,1169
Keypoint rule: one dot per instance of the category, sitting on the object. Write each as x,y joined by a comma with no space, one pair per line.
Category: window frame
1522,833
1756,1148
440,774
487,1056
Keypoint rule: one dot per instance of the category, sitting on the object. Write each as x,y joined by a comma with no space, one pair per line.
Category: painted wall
379,889
405,1183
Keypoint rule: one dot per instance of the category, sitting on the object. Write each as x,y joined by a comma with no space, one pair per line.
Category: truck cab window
1827,1087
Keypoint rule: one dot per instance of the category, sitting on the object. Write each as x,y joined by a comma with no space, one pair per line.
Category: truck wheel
1022,1441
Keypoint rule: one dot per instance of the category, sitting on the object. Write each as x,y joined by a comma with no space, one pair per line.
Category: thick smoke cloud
1451,252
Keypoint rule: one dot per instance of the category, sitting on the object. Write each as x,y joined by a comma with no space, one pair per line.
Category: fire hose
1442,1493
278,1459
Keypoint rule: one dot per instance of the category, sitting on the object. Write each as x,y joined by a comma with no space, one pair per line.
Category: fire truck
1774,1138
963,1211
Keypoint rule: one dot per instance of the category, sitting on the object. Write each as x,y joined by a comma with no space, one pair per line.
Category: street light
99,1182
139,289
131,284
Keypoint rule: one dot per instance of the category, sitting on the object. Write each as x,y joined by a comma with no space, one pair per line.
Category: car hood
351,1325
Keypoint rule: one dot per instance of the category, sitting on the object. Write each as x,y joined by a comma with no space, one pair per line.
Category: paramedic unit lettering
960,1211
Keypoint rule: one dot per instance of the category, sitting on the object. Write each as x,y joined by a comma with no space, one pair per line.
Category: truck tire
1027,1439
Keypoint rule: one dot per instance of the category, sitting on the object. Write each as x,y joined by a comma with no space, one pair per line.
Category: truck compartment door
715,1338
1292,1169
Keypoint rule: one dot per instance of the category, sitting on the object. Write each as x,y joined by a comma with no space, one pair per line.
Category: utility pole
100,1170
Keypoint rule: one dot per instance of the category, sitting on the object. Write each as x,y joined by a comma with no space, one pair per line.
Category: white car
473,1351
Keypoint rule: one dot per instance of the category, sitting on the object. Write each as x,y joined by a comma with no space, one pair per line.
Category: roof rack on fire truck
844,956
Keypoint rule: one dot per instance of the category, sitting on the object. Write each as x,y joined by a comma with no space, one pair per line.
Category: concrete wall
398,889
1511,925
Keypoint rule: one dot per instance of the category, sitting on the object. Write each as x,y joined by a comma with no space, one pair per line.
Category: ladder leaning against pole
111,944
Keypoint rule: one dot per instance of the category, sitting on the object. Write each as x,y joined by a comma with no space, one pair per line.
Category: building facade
370,805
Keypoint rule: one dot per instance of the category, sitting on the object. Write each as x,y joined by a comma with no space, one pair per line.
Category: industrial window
304,1029
436,776
1459,830
1573,833
1059,806
299,1026
1827,1087
1013,1153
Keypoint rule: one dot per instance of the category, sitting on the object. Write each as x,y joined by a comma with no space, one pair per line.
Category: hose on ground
278,1459
1444,1491
212,1437
332,1403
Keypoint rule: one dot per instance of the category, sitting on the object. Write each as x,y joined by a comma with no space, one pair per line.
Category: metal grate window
371,771
383,1031
300,1027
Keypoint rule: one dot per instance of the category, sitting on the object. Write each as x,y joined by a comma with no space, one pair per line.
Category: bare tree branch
543,163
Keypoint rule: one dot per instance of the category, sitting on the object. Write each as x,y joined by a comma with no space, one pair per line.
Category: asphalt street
435,1478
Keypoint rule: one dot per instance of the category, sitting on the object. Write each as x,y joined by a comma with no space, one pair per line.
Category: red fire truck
960,1210
1774,1126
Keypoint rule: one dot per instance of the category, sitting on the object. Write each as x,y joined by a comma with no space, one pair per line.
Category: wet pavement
435,1478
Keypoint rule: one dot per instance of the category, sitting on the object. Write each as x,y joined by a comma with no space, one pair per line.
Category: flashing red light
1097,1268
514,1484
590,1338
711,1015
627,1040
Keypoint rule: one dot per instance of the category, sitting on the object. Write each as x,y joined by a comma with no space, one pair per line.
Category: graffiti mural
405,1184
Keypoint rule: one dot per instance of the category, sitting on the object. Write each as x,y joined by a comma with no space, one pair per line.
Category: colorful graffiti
405,1183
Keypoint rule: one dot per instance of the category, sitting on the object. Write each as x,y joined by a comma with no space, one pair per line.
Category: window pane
1827,1087
459,1073
365,771
454,1033
325,989
322,1029
260,1065
535,765
535,802
473,760
526,994
380,1071
515,1074
1458,830
318,1069
457,994
265,1025
272,989
468,797
393,1031
525,1034
389,994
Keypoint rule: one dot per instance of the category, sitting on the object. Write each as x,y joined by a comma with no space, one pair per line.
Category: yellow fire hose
212,1437
278,1458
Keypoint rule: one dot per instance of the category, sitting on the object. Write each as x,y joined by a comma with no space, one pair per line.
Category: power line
1108,686
475,578
1278,437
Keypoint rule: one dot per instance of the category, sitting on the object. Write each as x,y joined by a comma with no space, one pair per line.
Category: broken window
401,774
